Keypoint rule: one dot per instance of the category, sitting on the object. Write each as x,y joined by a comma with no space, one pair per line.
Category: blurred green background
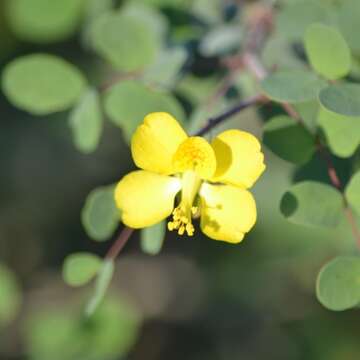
197,299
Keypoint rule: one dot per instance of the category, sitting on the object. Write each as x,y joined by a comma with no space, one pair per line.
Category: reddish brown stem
334,178
212,122
119,243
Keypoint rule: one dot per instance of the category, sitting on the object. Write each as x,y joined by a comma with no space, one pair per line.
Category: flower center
195,154
183,213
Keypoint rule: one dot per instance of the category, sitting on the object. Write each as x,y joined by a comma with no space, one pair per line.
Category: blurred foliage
80,268
42,84
100,217
10,296
77,78
61,334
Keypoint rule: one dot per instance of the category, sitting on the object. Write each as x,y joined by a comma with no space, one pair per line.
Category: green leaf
295,18
116,326
352,192
338,283
342,132
80,268
128,102
343,99
328,52
308,112
10,296
126,42
152,238
103,280
278,53
167,67
349,15
53,335
57,332
312,204
178,4
42,84
288,139
208,11
197,90
86,122
96,7
152,17
100,216
221,40
292,86
44,21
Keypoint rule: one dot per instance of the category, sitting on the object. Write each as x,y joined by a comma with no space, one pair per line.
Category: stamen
190,229
181,221
181,230
182,214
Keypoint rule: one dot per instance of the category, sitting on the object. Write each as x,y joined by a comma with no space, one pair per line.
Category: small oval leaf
125,41
100,216
167,67
44,21
312,204
152,238
86,122
343,99
342,132
80,268
288,139
328,51
221,40
338,283
42,84
292,86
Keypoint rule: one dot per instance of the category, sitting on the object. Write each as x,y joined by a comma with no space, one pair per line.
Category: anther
190,229
182,221
181,230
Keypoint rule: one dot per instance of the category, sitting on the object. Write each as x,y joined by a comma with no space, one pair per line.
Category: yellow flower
211,179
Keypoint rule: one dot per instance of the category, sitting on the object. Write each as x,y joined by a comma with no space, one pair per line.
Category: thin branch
119,243
212,122
324,154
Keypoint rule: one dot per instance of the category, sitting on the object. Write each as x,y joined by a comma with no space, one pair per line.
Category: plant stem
212,122
119,243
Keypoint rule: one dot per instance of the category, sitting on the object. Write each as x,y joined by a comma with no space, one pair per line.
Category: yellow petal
195,154
239,158
155,142
227,212
145,198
